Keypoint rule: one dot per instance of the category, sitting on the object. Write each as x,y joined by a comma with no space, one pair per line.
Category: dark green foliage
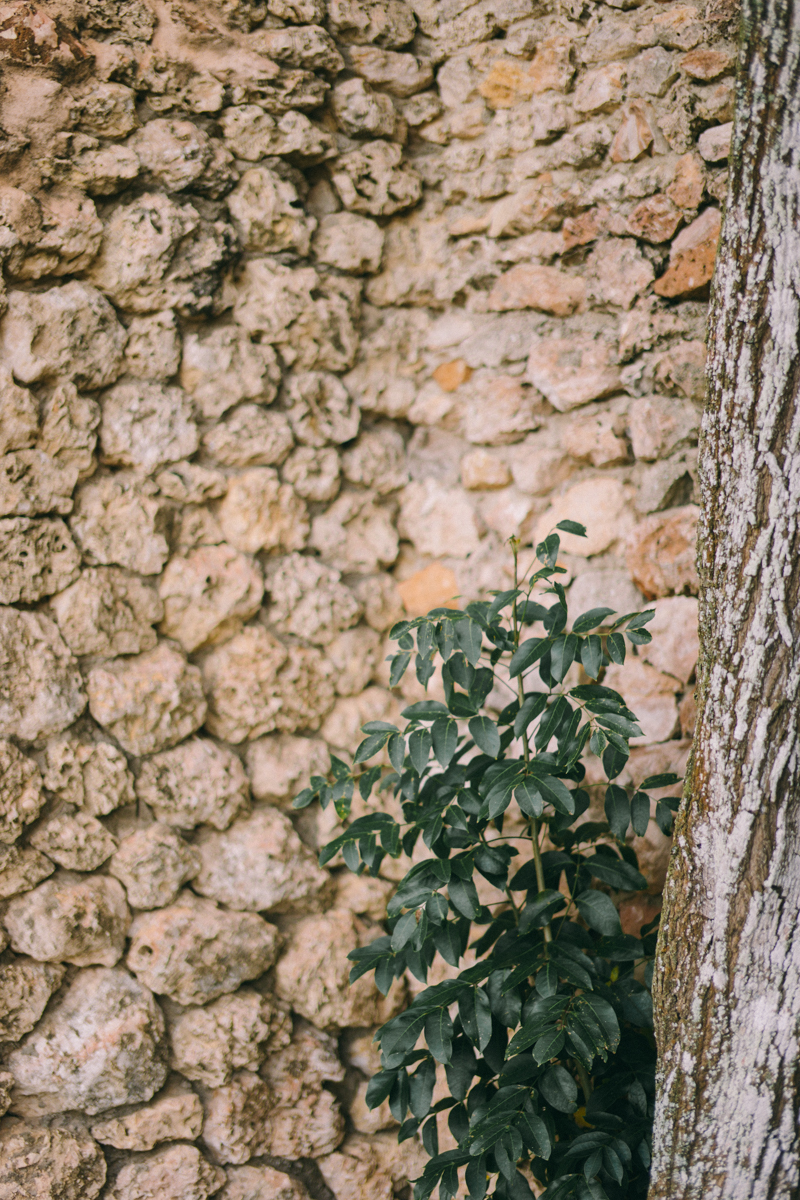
547,1040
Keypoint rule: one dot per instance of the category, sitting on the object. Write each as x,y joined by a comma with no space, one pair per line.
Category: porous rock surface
306,308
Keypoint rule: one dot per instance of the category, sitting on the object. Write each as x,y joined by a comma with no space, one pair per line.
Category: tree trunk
727,987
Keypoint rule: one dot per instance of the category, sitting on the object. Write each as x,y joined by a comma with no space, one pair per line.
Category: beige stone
321,409
686,188
438,521
39,1162
21,796
354,655
650,695
259,865
660,553
119,519
25,989
177,1172
32,482
600,90
314,474
355,534
312,974
377,461
361,112
266,211
153,349
108,612
309,600
189,483
68,332
70,918
101,1045
69,429
354,1170
543,288
19,414
399,74
715,143
655,219
635,134
706,63
147,424
41,690
572,371
236,1118
371,180
222,366
255,684
174,1114
617,272
173,154
596,438
261,513
147,702
500,410
250,436
508,513
369,1120
78,842
280,765
252,135
153,864
601,504
381,599
209,1044
194,951
539,464
208,595
482,471
603,587
658,425
84,770
306,1120
675,645
261,1183
363,895
683,369
692,257
349,243
21,868
435,586
196,782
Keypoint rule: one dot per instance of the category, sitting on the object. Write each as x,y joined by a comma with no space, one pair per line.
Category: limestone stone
306,1120
361,112
222,366
173,154
355,534
49,1164
655,219
37,558
236,1118
108,611
354,655
250,436
194,951
635,134
153,350
434,586
438,521
658,425
364,895
153,864
119,519
650,695
252,135
173,1115
102,1044
314,1124
32,482
603,587
82,769
189,483
159,254
255,684
41,690
354,1170
267,213
209,1044
259,512
259,865
665,484
377,461
499,410
539,464
78,842
686,188
538,204
382,603
281,764
308,316
617,272
321,409
675,645
261,1183
660,553
70,918
25,989
596,438
682,369
208,594
450,375
19,414
715,143
309,600
601,504
69,425
390,24
314,474
571,371
543,288
692,256
146,424
147,702
177,1172
372,180
482,471
196,782
21,868
68,332
600,90
349,243
401,75
312,974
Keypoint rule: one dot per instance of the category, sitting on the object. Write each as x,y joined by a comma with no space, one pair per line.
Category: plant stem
585,1081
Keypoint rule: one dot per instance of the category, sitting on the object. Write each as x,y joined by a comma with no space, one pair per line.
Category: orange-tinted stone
451,375
435,586
543,288
655,219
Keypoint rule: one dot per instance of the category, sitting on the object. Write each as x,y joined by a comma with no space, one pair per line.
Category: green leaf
598,912
562,655
371,746
420,1086
549,1046
439,1035
425,710
615,645
483,732
529,797
619,724
437,908
605,1015
664,818
379,1087
591,619
398,668
659,781
559,1089
618,811
547,551
461,1069
469,637
556,793
615,873
572,527
476,1178
598,742
592,655
419,749
533,704
534,1133
528,653
476,1017
404,931
538,912
397,751
444,736
464,897
304,798
640,813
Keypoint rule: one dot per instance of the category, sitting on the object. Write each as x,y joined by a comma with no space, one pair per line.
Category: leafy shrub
546,1039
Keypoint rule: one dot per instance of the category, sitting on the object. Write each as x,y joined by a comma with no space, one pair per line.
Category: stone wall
307,310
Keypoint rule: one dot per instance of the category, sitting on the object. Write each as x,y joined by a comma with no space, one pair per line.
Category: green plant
558,1000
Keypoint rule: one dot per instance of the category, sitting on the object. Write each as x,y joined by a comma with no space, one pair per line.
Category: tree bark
727,985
